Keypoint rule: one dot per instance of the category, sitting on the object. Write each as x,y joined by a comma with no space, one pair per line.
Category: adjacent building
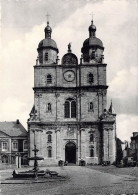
134,146
13,143
69,120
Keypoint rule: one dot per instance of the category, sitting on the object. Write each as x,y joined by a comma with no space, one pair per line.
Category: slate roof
48,43
13,128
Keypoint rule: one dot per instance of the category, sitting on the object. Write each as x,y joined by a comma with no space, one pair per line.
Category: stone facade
69,120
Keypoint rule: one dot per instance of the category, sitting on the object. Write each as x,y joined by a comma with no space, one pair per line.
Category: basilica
69,119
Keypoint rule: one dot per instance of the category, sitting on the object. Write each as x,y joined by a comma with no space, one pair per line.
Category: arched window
46,56
91,137
49,107
90,78
49,78
91,106
49,138
49,151
70,108
93,54
91,152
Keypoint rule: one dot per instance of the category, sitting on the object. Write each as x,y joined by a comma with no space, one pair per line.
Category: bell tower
92,49
47,48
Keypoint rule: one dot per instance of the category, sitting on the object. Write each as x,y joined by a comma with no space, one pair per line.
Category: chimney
17,121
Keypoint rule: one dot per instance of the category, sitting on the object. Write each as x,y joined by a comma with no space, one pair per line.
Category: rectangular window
4,146
91,152
73,109
46,56
49,79
25,145
67,109
49,107
49,153
15,145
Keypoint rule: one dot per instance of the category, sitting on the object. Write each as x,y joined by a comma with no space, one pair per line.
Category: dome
92,27
48,43
48,28
92,41
69,59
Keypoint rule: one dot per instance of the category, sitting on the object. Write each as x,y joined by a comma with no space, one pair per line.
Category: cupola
92,29
48,31
47,48
92,49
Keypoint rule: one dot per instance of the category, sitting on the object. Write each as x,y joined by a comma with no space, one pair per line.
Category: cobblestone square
79,181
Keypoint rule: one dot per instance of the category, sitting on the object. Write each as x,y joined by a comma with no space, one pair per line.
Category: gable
2,134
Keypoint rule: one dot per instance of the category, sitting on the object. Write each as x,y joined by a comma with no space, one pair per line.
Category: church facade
69,120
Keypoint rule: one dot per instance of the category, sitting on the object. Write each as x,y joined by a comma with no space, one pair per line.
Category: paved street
80,181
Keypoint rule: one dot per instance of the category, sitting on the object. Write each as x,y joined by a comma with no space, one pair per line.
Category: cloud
126,125
125,83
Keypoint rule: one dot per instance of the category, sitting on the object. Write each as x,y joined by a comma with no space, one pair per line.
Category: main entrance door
70,152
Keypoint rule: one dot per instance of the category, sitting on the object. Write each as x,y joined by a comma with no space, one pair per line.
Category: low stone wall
91,160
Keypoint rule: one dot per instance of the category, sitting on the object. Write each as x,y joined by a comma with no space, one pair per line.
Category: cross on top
47,15
92,16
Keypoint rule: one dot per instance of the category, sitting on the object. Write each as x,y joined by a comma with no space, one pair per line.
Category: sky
22,28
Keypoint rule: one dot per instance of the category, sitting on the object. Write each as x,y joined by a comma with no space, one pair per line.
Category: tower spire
111,108
48,29
92,28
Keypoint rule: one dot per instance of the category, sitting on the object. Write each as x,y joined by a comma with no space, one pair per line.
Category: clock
69,75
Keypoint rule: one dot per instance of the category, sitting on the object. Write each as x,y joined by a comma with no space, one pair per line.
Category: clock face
69,75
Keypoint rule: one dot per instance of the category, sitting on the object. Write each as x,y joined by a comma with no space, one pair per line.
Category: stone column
83,140
58,145
112,145
105,144
79,144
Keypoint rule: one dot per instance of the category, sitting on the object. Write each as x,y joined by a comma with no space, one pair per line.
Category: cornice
57,124
57,88
69,66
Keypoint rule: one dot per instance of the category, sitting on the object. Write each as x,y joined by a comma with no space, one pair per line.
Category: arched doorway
70,152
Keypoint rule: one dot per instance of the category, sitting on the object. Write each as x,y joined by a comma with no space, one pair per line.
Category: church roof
48,43
92,41
13,128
